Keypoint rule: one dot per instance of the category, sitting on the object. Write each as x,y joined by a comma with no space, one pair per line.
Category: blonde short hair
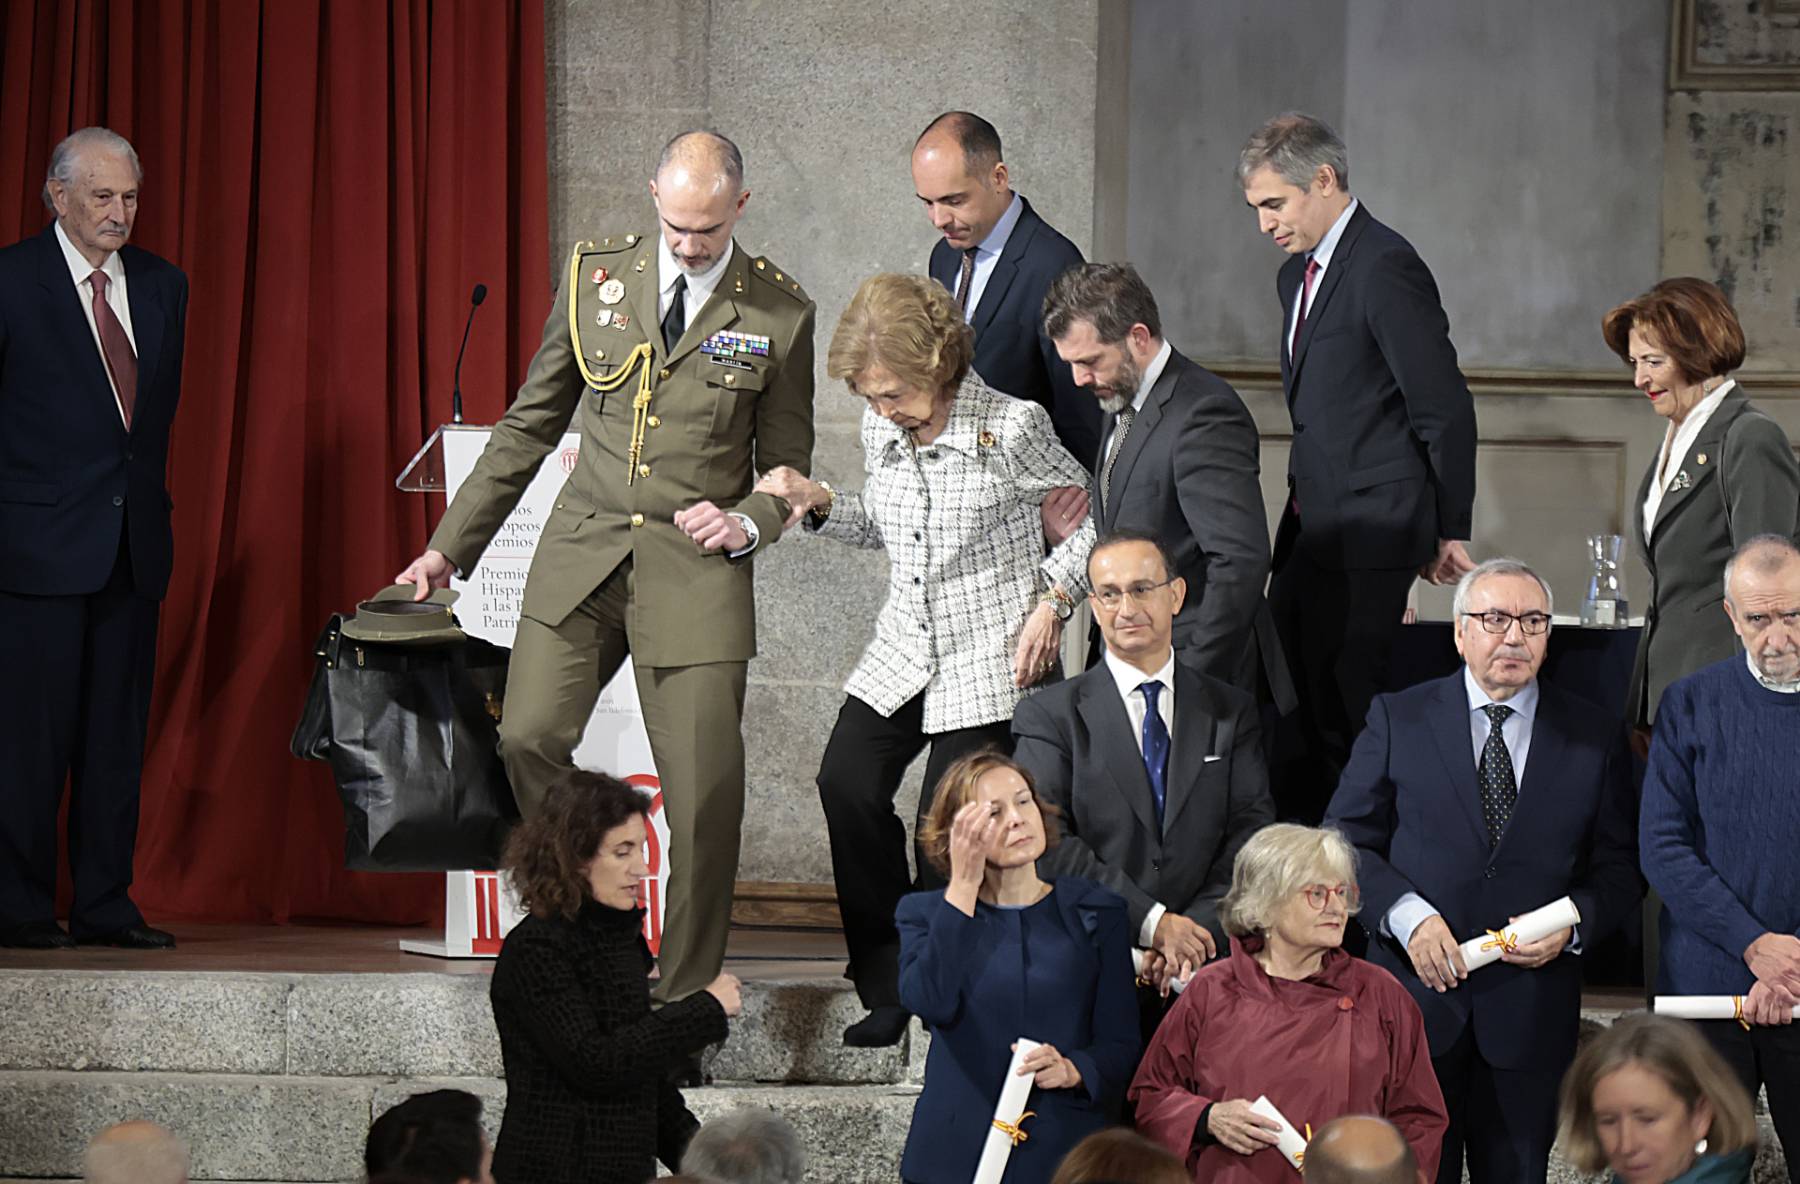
956,789
1675,1051
1278,862
908,324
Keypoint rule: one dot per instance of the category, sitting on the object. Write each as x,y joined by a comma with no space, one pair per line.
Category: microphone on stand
475,299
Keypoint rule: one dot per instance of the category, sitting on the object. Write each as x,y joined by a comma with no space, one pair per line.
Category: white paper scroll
1289,1141
1533,926
1005,1133
1703,1007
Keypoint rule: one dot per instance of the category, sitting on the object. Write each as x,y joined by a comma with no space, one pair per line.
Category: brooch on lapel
986,439
1681,481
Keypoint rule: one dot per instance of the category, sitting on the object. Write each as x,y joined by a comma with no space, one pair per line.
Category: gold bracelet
819,514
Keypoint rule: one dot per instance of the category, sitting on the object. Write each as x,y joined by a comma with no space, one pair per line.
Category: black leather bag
411,733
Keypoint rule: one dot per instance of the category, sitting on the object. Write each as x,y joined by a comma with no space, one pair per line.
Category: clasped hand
1240,1128
802,494
1048,1068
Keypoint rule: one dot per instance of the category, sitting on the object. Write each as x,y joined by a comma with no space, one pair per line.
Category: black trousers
1336,628
864,763
1766,1057
75,677
1502,1120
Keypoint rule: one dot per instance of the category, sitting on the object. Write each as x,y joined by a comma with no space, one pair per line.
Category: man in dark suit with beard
1178,462
91,337
1381,475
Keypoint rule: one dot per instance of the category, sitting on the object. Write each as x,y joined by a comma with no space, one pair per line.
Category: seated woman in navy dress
1000,954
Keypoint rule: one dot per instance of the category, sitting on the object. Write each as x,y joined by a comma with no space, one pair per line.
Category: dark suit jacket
1012,352
1408,801
586,1060
1058,972
1077,740
1747,485
1187,474
71,476
1383,459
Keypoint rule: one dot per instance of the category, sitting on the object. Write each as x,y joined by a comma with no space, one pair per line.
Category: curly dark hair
547,855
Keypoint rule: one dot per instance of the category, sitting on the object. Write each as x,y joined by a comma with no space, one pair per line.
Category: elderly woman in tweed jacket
956,474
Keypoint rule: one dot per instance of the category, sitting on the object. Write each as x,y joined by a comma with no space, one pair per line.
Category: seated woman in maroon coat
1289,1015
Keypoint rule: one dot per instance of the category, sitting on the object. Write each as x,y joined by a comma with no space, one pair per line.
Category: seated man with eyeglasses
1157,769
1473,799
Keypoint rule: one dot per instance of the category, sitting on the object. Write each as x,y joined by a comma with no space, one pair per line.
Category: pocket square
1209,758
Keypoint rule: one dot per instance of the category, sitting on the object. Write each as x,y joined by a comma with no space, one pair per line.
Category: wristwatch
816,516
1059,602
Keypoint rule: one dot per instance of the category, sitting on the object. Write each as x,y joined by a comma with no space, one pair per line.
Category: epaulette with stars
782,282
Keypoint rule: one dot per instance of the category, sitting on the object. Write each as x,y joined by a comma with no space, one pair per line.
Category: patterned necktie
964,279
1156,746
1312,270
1498,789
674,322
1121,429
115,346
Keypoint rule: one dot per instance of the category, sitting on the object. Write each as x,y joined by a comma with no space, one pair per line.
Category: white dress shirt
116,299
1152,372
987,255
1411,909
1321,255
1676,443
1130,681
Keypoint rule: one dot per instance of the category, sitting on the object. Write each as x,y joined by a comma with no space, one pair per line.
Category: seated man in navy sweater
1721,825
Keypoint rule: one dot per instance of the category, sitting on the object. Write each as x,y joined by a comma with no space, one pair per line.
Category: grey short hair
1276,863
66,155
136,1153
1764,553
1502,566
1112,297
748,1145
705,148
1295,144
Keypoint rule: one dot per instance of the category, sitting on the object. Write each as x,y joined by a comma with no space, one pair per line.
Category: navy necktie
1498,789
1156,746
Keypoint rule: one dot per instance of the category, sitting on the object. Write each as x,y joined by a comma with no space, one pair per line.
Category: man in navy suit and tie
91,337
1381,475
997,257
1157,767
1472,800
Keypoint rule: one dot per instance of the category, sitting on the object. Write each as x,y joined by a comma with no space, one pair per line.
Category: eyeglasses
1319,895
1495,621
1113,598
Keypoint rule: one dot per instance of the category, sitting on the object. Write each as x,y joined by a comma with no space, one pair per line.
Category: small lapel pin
1700,458
986,439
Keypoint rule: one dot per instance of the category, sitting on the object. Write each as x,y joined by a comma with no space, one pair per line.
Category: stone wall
825,99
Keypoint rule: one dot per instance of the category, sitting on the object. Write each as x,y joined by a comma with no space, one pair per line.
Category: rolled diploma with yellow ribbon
1702,1007
1533,926
1288,1140
1007,1112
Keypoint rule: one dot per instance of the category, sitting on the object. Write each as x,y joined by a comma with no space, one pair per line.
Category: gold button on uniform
637,519
601,354
654,421
643,470
664,376
731,380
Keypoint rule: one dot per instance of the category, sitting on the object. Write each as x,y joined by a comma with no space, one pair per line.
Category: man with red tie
1381,474
91,337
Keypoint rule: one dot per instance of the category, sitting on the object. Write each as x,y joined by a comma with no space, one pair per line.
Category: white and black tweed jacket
959,520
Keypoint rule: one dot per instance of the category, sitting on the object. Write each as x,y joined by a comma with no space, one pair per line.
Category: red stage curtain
334,176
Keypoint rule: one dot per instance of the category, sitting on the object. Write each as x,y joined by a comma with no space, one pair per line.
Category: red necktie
115,346
1312,270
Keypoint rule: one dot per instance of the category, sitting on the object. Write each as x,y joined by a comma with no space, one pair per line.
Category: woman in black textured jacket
587,1062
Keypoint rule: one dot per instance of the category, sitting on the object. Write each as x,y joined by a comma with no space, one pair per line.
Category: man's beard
1765,661
1128,379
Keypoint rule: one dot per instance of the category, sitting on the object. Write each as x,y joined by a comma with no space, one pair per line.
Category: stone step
361,1025
312,1128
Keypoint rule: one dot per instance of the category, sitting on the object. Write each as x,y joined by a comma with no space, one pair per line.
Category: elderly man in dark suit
1178,461
1157,768
91,334
997,257
1381,475
1472,800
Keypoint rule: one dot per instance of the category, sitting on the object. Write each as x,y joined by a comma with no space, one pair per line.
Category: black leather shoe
132,937
881,1028
43,935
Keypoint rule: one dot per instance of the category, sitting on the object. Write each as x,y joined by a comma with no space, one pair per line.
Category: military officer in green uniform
688,366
